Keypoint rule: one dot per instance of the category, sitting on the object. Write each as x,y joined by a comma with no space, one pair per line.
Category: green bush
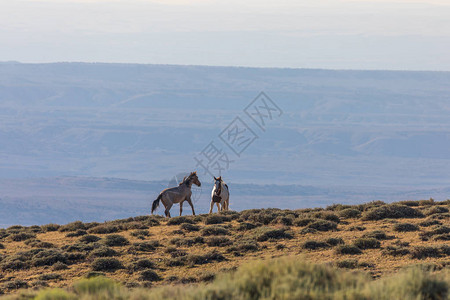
247,226
115,240
48,258
149,275
106,264
103,252
187,241
189,227
104,229
396,251
302,221
216,219
405,227
377,234
218,241
74,226
429,222
55,294
22,236
244,246
142,233
265,233
79,232
421,252
335,241
89,239
349,213
148,246
392,211
348,249
97,285
314,245
179,220
366,243
214,230
323,225
50,227
435,210
143,264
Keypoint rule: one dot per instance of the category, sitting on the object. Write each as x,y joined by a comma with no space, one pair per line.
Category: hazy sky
337,34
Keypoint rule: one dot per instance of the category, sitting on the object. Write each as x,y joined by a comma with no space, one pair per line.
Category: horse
220,195
177,194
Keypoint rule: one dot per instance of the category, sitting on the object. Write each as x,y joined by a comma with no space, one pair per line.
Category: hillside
376,238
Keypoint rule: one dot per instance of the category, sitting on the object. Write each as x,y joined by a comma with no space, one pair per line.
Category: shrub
438,230
428,223
115,240
22,236
50,276
97,285
48,258
392,211
349,213
148,246
435,210
104,229
303,221
246,226
140,233
313,245
187,241
408,202
149,275
264,216
103,252
216,219
174,252
244,246
2,246
143,264
59,266
286,221
396,251
180,220
262,234
366,243
421,252
377,234
214,230
74,226
326,215
79,232
89,239
405,227
50,227
106,264
356,228
335,241
347,263
323,225
427,202
348,249
189,227
205,258
54,294
218,241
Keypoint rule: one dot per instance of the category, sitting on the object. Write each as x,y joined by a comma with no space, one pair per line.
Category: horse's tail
156,203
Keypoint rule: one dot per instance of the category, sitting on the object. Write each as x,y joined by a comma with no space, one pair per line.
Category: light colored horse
220,195
177,194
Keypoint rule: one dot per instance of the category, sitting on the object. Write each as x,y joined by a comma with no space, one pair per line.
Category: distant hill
342,133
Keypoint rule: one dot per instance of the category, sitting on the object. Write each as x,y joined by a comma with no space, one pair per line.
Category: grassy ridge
377,239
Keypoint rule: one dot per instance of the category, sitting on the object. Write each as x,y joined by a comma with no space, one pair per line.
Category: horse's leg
192,206
212,206
218,207
181,207
168,207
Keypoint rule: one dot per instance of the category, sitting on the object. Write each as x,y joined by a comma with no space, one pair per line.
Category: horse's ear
220,178
215,178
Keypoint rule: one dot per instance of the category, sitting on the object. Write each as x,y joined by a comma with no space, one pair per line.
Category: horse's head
194,179
218,185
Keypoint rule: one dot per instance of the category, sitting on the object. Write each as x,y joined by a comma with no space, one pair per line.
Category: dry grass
186,256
